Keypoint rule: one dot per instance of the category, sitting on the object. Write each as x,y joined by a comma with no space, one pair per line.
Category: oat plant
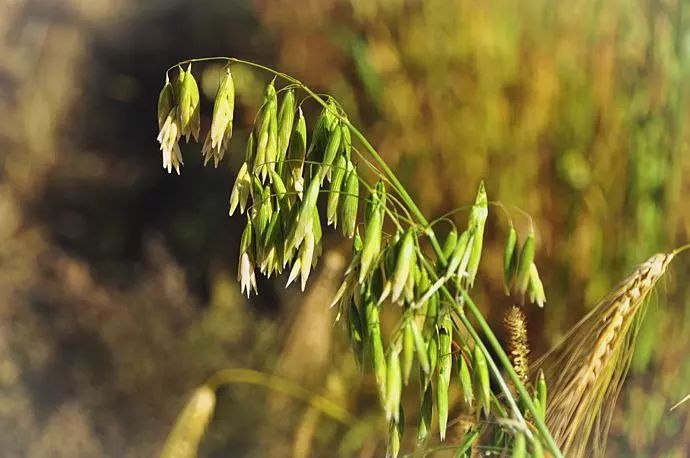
295,180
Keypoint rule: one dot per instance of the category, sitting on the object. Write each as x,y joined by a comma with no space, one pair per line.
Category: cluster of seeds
278,188
520,273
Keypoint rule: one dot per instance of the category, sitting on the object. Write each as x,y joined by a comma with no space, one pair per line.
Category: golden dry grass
586,370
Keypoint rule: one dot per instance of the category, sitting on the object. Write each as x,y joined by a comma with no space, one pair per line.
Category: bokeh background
117,281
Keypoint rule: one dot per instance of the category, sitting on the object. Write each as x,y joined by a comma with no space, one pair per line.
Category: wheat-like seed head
586,370
518,346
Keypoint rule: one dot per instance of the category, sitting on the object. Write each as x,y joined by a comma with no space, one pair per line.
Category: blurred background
117,281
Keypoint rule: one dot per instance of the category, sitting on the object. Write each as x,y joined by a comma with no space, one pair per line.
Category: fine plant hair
295,179
515,322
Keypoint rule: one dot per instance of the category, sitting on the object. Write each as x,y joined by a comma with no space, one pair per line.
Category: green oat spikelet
246,270
322,132
477,221
460,254
432,356
408,350
262,211
267,135
420,348
510,259
394,382
346,141
519,446
426,413
373,231
403,265
169,126
356,332
535,287
350,202
188,103
395,432
481,379
450,242
277,184
465,380
166,101
272,145
241,189
339,172
375,343
305,218
332,149
297,151
445,366
219,135
286,120
525,264
270,259
431,317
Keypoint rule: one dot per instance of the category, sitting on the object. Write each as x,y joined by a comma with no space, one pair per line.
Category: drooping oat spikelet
585,372
518,346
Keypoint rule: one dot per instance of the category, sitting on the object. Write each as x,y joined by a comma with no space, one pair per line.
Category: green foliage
387,269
